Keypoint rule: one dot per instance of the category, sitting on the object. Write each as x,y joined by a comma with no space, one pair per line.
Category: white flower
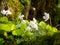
35,26
28,28
3,12
31,23
46,16
23,22
34,8
34,20
21,16
6,12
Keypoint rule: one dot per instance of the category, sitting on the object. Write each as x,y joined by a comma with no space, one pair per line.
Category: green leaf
18,32
14,32
28,33
7,27
1,40
42,25
18,41
58,5
51,30
23,26
4,19
12,26
54,29
21,30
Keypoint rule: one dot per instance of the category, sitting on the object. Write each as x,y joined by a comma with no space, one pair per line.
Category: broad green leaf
17,32
49,28
7,27
12,26
55,29
4,19
14,32
23,26
4,27
42,25
28,33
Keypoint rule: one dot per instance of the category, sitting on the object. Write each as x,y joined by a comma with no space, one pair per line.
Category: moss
15,6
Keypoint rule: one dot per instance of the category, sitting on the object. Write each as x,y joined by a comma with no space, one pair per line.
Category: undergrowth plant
21,31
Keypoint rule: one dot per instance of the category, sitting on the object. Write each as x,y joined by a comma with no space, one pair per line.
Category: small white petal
31,23
46,13
34,20
46,19
46,16
3,12
35,26
8,12
23,22
28,28
22,15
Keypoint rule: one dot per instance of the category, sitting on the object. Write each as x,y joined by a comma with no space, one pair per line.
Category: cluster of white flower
46,16
20,16
28,28
6,12
33,24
